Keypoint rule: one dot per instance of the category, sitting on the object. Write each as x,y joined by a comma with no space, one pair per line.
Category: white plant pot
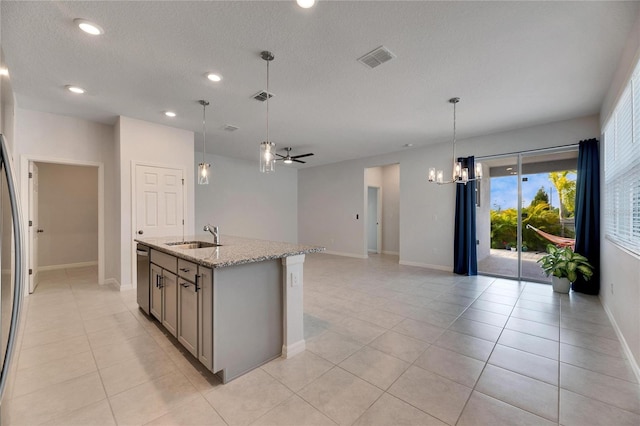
560,285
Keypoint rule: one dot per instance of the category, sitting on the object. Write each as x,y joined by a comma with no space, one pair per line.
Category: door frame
519,156
134,212
25,159
31,235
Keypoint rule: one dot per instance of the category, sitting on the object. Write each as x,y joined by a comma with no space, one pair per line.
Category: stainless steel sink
193,244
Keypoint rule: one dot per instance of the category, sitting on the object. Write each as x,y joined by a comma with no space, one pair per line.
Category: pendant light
203,168
267,148
460,174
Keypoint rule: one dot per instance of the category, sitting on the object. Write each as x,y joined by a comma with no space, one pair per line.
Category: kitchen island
234,306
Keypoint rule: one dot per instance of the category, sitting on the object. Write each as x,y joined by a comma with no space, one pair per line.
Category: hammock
558,241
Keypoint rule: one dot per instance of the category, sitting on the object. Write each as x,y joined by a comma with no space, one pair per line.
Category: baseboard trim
339,253
293,349
394,253
427,265
116,284
67,266
623,342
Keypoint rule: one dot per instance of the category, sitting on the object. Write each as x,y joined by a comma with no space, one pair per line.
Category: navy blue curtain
465,257
587,213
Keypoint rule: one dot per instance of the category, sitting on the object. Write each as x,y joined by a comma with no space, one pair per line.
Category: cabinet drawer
187,270
165,261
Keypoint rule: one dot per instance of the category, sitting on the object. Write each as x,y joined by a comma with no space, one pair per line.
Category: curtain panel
587,213
465,256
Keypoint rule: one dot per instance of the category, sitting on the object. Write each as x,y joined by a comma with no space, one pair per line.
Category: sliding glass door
524,199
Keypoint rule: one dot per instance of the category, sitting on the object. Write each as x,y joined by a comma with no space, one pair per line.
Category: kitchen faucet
214,231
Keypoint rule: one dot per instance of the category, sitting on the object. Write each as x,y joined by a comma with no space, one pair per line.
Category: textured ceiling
514,64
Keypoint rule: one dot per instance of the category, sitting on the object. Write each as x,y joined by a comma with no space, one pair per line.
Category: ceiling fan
288,159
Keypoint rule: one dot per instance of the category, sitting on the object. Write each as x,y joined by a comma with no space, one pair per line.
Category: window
622,169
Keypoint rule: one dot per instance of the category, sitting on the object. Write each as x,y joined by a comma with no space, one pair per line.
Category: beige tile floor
386,345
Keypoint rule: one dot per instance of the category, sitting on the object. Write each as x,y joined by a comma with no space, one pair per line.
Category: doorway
520,192
65,218
374,217
42,255
381,227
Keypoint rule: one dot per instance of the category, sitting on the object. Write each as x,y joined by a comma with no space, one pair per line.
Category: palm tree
566,191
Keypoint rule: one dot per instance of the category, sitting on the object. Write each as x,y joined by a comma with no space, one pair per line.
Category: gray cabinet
183,302
163,284
205,317
170,302
188,306
156,292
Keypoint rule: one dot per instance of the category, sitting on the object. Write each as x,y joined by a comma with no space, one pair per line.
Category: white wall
68,214
58,138
620,270
391,209
246,203
141,142
330,196
7,107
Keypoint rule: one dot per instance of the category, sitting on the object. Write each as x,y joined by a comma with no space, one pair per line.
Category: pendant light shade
203,167
267,148
267,157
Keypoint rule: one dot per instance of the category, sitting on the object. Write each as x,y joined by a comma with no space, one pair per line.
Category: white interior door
159,202
33,226
373,220
379,221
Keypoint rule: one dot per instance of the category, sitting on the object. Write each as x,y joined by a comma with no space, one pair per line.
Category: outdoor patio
505,263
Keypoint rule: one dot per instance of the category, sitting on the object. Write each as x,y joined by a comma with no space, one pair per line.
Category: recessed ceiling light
4,71
214,77
75,89
170,114
509,169
88,27
408,145
306,4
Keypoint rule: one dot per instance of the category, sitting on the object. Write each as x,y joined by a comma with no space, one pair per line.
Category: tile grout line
93,355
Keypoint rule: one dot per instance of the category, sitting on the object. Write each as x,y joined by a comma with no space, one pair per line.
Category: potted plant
564,265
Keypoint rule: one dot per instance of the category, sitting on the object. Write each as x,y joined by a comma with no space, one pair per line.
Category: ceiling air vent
262,96
230,127
377,57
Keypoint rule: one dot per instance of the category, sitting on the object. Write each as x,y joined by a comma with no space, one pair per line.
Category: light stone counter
233,250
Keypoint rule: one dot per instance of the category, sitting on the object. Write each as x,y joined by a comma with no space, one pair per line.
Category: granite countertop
233,250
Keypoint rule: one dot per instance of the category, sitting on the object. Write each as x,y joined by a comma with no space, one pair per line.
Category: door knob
40,231
141,232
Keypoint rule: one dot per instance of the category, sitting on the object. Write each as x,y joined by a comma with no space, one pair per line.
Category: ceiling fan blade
303,155
298,161
281,156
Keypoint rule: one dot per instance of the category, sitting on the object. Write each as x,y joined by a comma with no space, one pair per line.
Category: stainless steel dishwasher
142,253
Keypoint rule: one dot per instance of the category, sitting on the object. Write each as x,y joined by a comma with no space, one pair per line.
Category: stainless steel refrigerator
11,270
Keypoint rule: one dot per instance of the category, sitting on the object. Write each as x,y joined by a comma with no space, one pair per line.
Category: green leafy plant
565,263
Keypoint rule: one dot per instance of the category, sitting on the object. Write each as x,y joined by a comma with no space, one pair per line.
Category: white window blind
622,169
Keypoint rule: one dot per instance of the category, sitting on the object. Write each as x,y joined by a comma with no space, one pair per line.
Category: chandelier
460,174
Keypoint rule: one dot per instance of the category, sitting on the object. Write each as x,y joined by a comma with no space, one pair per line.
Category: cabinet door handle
157,281
196,284
185,285
160,280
